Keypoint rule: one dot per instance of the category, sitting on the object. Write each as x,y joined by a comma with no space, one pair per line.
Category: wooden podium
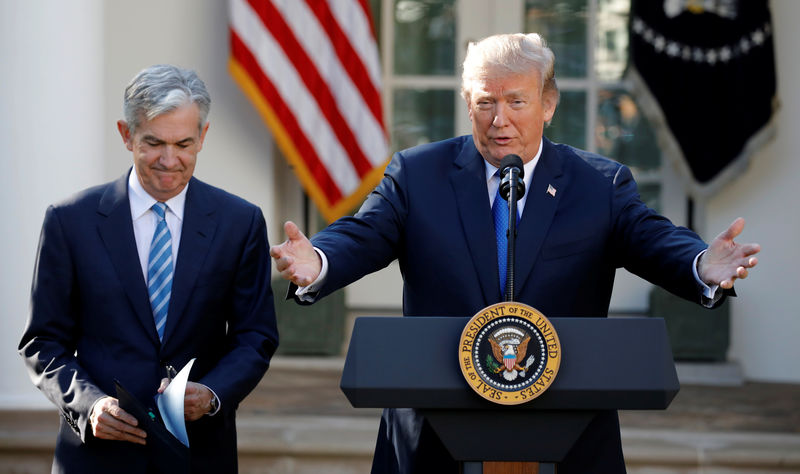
412,362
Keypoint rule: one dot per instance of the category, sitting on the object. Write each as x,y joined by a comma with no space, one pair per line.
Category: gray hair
516,53
163,88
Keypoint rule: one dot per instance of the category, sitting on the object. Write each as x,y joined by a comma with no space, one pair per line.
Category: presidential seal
509,353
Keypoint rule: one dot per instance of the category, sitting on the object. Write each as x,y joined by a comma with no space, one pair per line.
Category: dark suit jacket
431,211
91,320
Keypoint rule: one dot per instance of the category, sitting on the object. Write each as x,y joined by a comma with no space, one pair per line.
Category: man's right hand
296,258
109,421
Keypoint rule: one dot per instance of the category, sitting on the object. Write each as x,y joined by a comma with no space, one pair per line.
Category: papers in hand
170,404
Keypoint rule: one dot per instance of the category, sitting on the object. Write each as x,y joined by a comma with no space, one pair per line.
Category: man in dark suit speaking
142,274
581,219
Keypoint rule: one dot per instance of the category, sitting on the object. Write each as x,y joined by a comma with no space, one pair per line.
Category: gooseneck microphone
512,188
511,173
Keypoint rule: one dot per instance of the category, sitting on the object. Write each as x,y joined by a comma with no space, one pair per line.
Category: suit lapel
472,198
196,236
116,232
548,185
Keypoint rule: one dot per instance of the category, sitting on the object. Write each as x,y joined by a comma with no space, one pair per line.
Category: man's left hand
196,400
726,260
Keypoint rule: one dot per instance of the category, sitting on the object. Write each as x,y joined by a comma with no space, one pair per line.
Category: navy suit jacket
91,320
432,213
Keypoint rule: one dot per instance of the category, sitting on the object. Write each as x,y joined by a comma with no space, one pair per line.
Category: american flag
311,69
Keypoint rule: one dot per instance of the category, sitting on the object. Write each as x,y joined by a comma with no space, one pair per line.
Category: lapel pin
551,190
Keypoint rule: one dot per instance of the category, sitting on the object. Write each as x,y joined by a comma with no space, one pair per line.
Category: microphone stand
511,236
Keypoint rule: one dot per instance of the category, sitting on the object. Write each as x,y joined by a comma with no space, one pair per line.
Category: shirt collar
141,201
528,167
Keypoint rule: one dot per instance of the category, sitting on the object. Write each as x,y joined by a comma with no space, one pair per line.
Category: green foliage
491,363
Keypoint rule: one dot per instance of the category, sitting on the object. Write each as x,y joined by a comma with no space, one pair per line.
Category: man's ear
203,135
549,103
125,133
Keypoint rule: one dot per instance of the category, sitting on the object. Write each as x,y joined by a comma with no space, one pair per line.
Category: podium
412,362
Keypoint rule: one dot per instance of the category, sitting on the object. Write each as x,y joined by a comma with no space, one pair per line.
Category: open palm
726,260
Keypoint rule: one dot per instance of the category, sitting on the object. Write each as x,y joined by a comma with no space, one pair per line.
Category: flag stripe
310,76
299,102
356,16
274,62
342,71
347,55
294,142
311,69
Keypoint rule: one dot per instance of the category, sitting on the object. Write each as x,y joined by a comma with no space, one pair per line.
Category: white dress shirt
493,181
145,220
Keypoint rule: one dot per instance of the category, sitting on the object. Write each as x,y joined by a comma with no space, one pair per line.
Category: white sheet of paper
170,404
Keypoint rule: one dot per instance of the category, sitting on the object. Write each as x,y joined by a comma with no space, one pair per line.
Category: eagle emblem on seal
509,347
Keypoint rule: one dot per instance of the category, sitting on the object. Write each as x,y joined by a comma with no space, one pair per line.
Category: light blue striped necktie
159,269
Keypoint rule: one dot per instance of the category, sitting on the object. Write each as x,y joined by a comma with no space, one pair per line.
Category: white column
51,145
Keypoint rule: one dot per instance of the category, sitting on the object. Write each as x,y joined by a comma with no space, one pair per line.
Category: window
421,78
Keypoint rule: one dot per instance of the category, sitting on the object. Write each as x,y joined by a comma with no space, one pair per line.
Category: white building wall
765,319
50,113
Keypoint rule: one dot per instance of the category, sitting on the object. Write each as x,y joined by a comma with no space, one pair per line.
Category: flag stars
673,49
659,43
758,37
745,45
724,54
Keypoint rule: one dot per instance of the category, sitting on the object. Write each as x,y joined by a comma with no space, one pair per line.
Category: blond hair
515,53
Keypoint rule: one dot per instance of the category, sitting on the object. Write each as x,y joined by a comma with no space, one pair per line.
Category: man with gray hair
581,219
136,277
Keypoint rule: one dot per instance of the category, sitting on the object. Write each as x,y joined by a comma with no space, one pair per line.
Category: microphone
511,172
512,187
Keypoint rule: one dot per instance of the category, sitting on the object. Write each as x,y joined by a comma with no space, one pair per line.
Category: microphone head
506,164
511,161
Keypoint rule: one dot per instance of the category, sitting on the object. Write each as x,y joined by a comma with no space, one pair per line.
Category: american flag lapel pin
551,190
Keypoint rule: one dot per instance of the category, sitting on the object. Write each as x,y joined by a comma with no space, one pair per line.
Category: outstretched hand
726,260
296,259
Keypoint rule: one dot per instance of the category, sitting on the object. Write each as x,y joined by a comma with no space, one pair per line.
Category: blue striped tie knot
159,269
